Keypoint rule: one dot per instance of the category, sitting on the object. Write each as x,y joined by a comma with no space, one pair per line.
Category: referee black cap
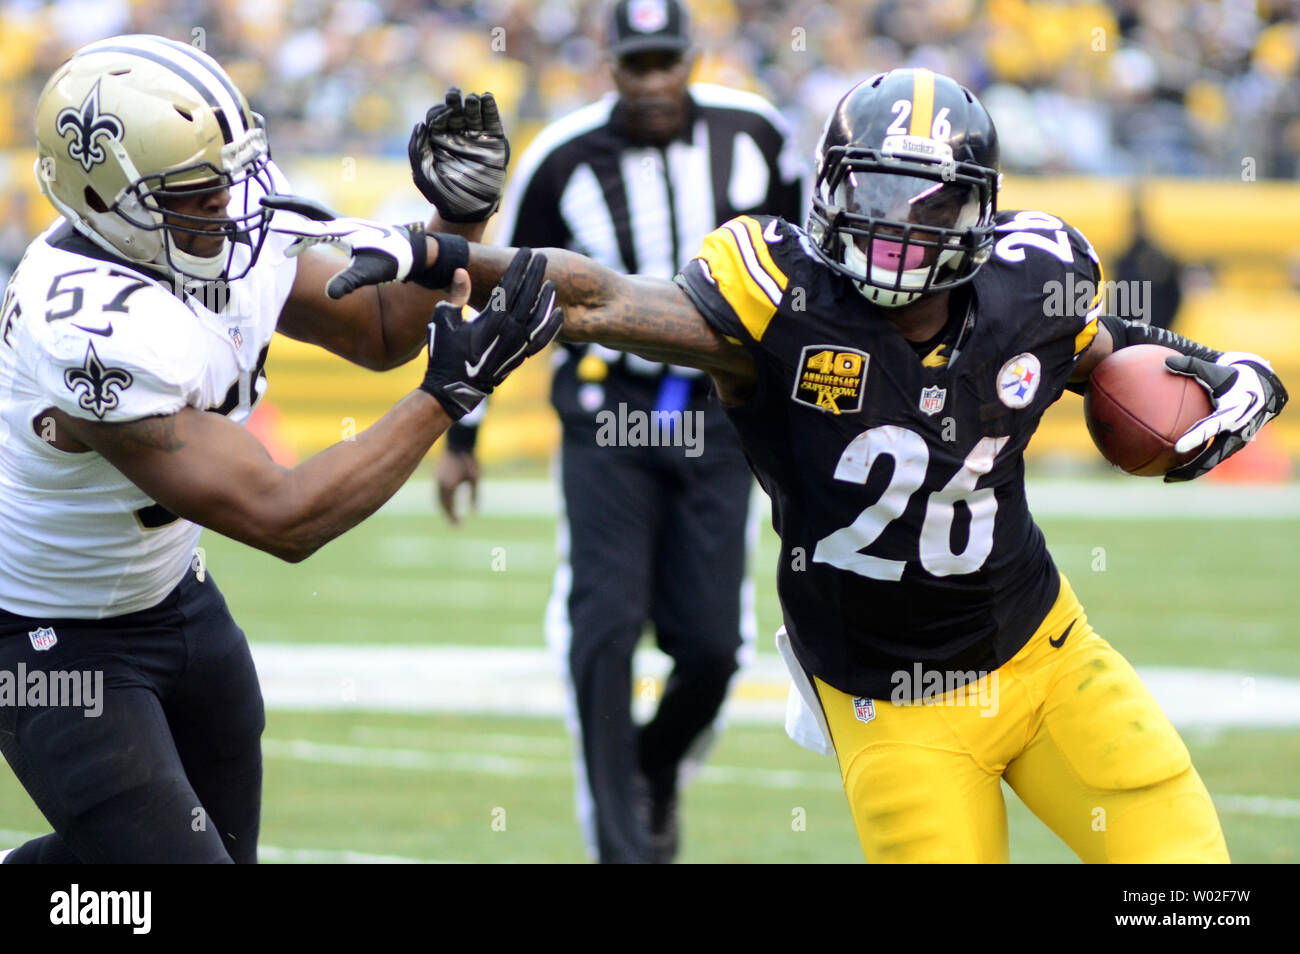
639,25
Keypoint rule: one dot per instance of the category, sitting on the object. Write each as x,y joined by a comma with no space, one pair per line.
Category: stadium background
1189,109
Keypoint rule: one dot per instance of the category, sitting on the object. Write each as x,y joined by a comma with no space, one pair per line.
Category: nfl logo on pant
42,639
864,709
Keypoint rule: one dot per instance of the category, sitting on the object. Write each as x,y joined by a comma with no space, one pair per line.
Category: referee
648,533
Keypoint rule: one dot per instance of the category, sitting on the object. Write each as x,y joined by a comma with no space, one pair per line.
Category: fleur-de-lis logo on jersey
99,383
88,125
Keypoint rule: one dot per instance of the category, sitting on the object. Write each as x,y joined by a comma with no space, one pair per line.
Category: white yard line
534,745
487,763
1258,805
1255,805
519,682
483,763
274,853
420,760
1096,499
314,856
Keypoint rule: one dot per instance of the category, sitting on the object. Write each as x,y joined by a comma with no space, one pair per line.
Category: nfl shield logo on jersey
864,709
42,639
932,399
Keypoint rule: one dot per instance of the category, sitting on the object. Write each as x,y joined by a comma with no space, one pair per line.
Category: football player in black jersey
885,370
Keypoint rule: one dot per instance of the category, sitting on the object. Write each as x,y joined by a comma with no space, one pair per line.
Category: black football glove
459,155
467,359
1246,395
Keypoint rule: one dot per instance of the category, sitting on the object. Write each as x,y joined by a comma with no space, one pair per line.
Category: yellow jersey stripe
721,251
922,102
749,260
1084,337
759,245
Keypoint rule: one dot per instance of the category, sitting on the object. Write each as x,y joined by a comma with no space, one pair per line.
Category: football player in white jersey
132,341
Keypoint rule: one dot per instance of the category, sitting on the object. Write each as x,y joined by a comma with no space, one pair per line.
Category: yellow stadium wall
1245,230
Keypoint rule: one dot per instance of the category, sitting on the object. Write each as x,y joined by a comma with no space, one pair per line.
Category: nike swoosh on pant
1058,643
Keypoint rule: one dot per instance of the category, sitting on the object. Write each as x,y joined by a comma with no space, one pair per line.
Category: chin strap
885,298
206,268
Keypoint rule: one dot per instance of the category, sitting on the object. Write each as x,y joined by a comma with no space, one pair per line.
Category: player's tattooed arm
204,467
148,434
647,316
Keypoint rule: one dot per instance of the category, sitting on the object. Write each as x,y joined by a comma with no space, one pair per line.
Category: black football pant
650,535
170,770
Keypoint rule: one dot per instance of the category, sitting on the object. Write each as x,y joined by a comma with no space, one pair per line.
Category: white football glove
380,253
1246,395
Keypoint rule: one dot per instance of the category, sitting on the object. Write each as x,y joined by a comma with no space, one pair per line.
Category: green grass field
1206,592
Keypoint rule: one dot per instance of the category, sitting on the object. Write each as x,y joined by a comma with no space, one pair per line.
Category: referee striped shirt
585,185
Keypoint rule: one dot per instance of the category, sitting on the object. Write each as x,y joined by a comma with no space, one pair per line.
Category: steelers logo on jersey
830,378
1018,380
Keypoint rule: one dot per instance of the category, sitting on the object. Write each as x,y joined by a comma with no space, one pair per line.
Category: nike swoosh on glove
459,155
1246,396
467,359
380,253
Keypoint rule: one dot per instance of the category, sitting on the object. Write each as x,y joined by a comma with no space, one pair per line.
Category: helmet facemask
146,205
902,221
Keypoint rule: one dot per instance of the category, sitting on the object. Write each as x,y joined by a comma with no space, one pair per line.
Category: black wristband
419,250
461,437
453,253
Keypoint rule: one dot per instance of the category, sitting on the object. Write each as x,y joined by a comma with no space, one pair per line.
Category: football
1136,410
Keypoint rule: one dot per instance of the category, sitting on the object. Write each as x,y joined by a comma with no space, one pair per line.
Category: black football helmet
906,187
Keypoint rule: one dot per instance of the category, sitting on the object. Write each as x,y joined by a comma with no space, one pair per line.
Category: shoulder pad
1018,234
129,348
1057,267
749,260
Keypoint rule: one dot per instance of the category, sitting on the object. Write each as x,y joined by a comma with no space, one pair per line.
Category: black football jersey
897,478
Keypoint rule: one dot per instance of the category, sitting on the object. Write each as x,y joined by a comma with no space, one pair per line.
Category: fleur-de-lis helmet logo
88,126
99,383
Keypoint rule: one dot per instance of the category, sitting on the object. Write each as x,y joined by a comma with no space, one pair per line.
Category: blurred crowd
1150,87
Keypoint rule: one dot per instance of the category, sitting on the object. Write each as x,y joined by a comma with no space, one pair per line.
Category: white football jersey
99,340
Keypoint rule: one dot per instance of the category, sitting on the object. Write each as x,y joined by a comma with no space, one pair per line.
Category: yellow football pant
1072,730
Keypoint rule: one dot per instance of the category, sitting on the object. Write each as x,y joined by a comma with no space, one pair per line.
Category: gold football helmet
134,124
